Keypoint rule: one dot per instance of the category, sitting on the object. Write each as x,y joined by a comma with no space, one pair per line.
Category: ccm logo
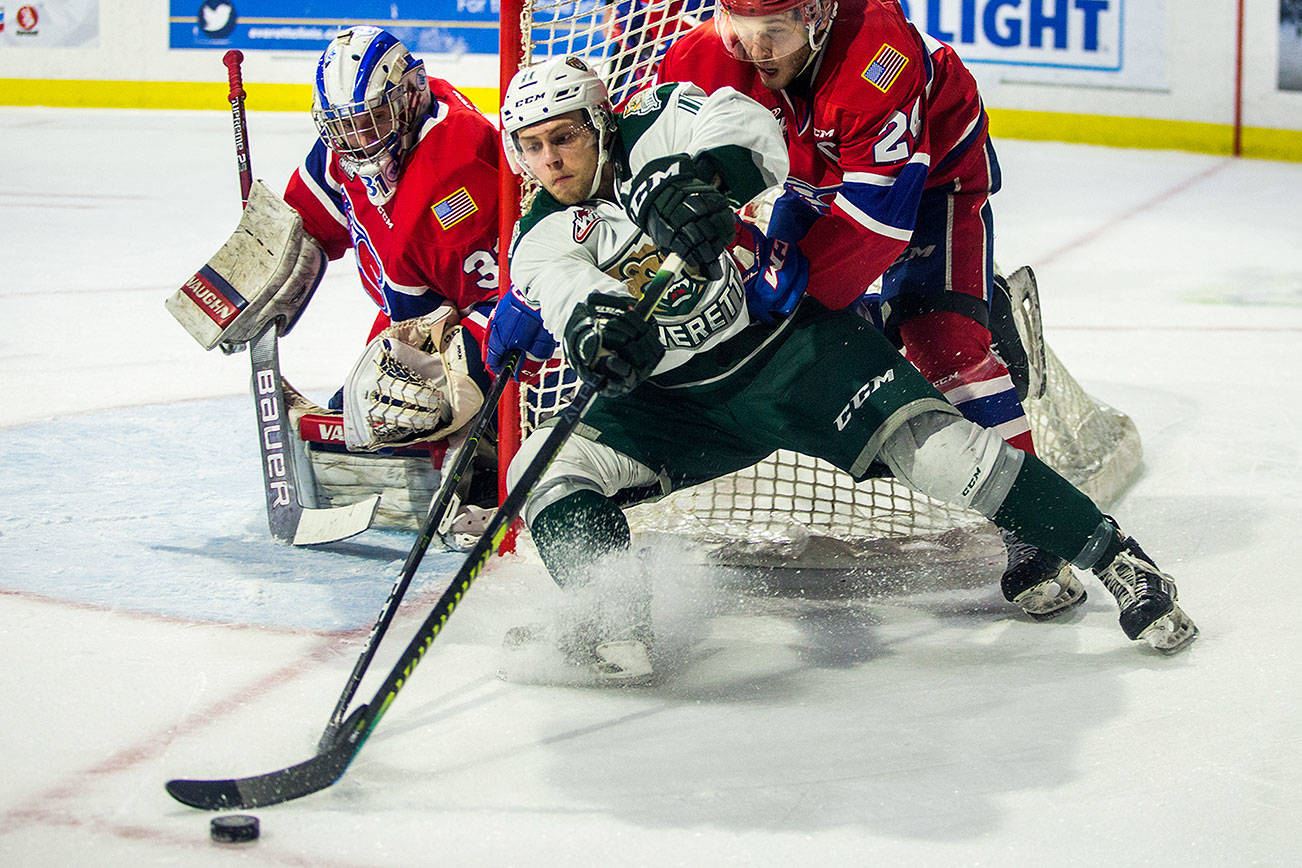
843,418
649,183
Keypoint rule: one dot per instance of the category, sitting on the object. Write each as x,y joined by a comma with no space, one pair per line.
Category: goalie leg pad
951,459
267,270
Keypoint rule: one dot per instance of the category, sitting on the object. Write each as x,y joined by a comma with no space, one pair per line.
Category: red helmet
755,8
808,24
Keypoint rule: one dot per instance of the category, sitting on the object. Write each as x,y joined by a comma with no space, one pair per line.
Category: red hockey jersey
891,112
436,239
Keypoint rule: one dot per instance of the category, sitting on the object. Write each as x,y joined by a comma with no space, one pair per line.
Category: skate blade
1053,598
1170,633
622,663
525,660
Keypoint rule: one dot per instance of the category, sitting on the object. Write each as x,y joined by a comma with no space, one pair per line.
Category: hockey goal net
792,510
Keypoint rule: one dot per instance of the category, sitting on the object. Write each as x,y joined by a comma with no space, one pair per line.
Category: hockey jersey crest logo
886,66
642,103
584,221
638,267
451,210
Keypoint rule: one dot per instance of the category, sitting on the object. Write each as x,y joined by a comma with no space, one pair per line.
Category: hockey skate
1147,597
461,534
583,656
1043,584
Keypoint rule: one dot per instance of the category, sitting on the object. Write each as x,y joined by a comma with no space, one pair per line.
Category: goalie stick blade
290,521
282,785
316,526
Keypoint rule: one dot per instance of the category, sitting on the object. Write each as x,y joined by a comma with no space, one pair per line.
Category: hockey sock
1047,511
953,353
576,531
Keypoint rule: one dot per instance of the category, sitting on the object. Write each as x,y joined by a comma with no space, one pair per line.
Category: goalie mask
549,90
367,101
769,31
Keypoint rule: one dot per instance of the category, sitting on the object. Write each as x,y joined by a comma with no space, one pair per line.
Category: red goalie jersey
436,239
891,112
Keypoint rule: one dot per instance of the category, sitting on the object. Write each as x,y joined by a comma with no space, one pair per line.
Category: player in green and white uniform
702,390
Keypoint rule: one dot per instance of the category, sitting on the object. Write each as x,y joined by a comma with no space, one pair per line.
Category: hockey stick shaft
327,766
233,59
289,521
507,512
429,528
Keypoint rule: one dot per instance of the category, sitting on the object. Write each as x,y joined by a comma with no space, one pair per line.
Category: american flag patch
885,68
451,210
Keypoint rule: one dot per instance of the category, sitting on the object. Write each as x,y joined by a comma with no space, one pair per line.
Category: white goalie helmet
548,90
367,101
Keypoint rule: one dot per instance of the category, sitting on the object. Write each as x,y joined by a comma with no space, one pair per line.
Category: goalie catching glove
266,271
610,345
674,202
412,383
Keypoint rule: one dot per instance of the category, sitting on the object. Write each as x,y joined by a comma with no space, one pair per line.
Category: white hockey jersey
560,255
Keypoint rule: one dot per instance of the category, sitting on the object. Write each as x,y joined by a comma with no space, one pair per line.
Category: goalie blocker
266,271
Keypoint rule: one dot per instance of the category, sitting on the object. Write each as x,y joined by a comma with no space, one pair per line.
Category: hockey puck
235,828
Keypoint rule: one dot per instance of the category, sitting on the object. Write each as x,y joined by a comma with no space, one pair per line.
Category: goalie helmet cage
791,510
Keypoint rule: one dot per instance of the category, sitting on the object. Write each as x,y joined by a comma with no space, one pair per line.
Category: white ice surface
149,628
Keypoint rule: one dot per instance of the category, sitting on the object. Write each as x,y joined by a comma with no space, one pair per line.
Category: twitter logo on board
216,19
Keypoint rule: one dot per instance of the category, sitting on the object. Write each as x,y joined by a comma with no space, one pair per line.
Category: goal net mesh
790,509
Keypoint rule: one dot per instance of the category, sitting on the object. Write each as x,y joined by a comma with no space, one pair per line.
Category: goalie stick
290,522
328,765
444,504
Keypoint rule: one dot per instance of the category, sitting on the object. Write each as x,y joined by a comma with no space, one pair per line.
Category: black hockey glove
683,212
608,344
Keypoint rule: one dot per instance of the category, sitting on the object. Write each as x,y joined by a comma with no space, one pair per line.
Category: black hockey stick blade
282,785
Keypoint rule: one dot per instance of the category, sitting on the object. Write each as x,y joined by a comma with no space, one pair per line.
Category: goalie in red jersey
891,172
404,172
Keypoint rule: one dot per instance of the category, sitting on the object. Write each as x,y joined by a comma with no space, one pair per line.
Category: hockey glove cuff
515,324
682,212
609,345
775,273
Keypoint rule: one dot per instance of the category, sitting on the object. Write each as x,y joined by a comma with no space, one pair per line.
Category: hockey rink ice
150,629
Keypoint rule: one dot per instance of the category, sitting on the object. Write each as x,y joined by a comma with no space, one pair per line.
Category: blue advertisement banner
427,26
1067,34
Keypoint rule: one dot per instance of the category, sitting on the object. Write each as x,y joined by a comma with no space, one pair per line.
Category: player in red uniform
404,172
891,172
